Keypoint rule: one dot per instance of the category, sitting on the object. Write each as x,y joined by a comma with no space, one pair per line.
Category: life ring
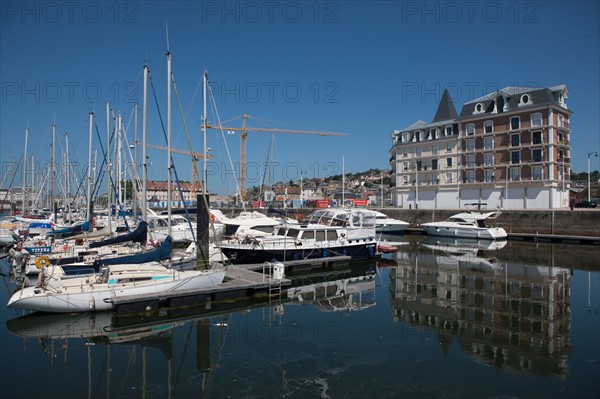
40,259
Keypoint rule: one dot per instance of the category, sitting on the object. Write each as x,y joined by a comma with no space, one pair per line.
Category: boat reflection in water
97,328
506,314
340,290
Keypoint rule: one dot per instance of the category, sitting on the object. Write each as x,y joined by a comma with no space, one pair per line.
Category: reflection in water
349,288
506,314
502,309
346,294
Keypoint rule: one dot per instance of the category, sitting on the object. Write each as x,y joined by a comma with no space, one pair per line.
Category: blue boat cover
155,255
37,225
71,230
137,235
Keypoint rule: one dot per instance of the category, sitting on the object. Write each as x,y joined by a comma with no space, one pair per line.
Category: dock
554,238
241,282
533,237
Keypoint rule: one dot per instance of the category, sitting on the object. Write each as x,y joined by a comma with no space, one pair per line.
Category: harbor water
437,319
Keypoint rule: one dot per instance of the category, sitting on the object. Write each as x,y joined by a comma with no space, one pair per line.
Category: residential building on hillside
509,149
157,193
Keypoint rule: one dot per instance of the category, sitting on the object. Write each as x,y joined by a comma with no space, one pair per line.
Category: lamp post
416,185
588,186
506,188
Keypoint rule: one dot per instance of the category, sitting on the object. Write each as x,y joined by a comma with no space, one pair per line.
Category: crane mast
244,134
195,157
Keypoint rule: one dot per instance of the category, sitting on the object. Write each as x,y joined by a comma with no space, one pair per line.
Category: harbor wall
578,222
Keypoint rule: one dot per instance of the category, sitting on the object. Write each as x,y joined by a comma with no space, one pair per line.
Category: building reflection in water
507,314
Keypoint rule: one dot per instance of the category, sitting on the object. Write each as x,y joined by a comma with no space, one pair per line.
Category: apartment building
509,149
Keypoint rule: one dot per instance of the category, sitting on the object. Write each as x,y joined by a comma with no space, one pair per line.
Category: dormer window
525,100
478,108
501,104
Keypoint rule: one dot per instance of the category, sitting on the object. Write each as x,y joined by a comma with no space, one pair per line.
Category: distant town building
157,193
509,149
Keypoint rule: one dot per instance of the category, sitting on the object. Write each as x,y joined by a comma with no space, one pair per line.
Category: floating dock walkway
241,281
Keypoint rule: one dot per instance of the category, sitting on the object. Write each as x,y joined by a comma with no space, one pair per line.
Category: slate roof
446,110
512,95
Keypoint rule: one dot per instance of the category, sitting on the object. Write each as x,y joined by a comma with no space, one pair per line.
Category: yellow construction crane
195,157
244,129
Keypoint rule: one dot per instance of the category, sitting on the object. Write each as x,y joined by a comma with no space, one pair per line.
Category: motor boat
387,225
323,233
467,225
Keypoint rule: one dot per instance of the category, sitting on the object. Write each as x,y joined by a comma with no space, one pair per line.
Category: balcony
564,160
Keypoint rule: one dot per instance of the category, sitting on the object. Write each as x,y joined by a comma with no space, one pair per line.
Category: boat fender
40,259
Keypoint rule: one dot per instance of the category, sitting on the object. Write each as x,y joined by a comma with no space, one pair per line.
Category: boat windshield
288,232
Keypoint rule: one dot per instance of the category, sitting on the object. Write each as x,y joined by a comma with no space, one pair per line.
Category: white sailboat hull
86,294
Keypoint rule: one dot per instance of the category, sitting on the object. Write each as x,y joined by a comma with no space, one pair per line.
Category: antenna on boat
167,34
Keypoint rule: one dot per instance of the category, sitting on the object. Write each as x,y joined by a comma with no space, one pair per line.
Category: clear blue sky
362,68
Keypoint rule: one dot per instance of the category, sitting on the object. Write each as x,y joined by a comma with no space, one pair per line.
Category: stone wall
579,222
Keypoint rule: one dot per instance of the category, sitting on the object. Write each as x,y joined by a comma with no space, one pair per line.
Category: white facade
509,150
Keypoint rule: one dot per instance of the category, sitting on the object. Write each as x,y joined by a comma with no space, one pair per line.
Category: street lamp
416,185
588,186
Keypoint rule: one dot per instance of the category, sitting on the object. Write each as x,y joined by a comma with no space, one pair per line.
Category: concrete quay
578,222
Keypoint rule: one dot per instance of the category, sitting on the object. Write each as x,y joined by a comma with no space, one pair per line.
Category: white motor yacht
467,225
387,225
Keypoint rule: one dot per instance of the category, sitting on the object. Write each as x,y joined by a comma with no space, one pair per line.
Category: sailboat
64,294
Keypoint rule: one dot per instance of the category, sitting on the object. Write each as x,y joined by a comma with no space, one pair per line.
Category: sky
363,68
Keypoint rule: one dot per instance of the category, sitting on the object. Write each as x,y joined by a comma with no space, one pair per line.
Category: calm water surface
438,319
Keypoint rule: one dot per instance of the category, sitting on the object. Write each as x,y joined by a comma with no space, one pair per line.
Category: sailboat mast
32,177
67,175
204,174
25,173
67,185
119,161
108,196
169,165
134,176
343,182
144,160
89,174
52,155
